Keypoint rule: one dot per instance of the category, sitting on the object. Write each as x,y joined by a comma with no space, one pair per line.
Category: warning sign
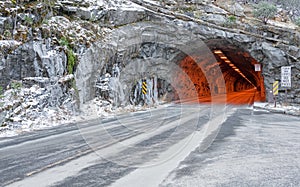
286,80
144,87
275,88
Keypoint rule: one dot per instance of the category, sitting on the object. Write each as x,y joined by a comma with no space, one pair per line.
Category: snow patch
287,109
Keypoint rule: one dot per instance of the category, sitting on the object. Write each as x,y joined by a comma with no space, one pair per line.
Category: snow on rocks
26,109
77,33
66,78
101,108
7,45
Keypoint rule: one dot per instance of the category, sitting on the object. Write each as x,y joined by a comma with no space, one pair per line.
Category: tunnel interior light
218,52
226,60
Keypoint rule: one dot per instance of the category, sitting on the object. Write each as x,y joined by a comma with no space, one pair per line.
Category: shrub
70,55
231,19
297,22
71,61
230,22
16,85
265,11
1,92
28,20
64,42
7,34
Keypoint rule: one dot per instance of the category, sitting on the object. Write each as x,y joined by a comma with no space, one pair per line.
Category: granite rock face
40,46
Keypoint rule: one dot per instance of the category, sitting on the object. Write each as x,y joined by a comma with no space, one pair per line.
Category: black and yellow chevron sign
275,88
144,87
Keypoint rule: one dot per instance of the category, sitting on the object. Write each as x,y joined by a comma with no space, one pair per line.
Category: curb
286,112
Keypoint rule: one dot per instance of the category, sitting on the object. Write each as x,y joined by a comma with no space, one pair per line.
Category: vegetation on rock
71,61
16,87
265,11
1,92
297,22
231,21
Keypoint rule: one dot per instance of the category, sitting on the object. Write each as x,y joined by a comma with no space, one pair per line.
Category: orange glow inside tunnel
193,85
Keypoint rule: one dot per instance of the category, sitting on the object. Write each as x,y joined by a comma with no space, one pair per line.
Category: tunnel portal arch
162,41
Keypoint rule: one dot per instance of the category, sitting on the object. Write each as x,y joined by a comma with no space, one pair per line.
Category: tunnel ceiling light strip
223,57
218,52
247,79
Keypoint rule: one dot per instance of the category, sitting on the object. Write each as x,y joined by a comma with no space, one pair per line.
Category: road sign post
286,81
275,91
270,97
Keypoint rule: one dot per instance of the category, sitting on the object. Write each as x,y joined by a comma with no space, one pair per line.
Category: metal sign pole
286,103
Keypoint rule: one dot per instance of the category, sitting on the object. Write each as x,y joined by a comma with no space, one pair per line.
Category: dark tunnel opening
242,73
244,83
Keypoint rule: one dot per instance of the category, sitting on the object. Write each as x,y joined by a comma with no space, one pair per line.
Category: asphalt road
176,145
247,97
252,148
74,154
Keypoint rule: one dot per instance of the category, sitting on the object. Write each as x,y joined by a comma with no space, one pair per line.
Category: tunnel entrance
244,83
242,73
221,70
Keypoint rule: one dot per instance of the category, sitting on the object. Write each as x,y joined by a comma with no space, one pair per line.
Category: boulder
214,18
276,56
